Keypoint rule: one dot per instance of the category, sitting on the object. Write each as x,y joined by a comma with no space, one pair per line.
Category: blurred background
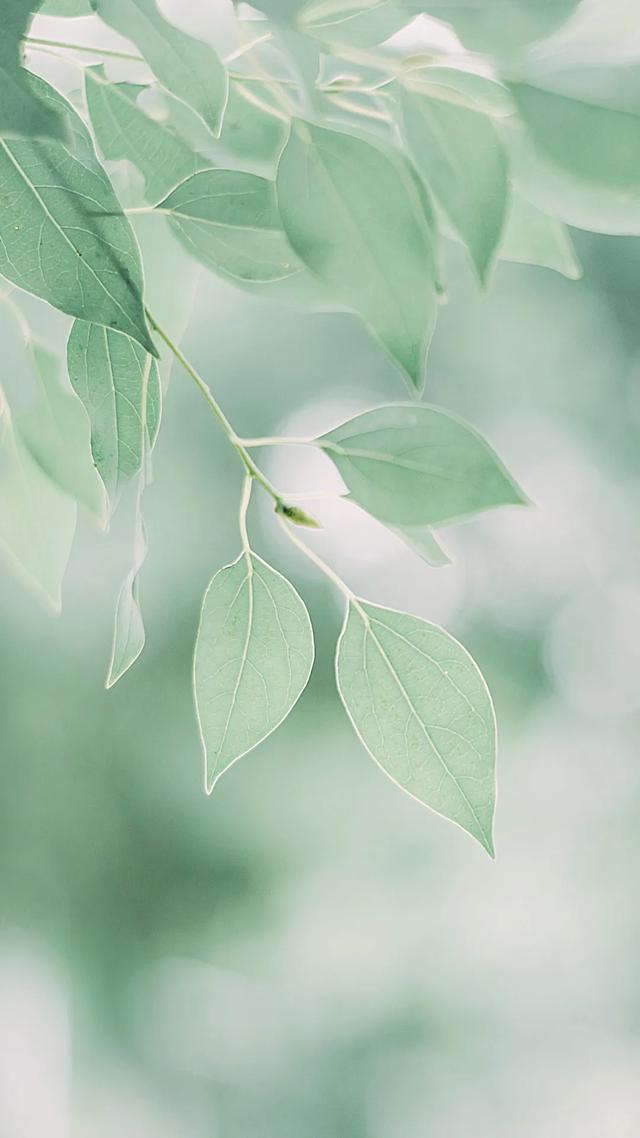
309,951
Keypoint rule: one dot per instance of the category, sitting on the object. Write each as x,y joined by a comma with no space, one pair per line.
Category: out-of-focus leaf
578,160
22,109
187,67
461,159
464,88
124,131
421,708
118,384
250,133
354,216
423,542
502,29
533,238
55,430
37,521
418,465
128,631
71,8
65,238
253,658
352,22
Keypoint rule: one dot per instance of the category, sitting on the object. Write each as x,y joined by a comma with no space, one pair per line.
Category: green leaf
22,110
423,542
460,156
37,522
65,238
253,135
418,465
118,384
463,88
229,221
56,432
578,160
187,67
128,632
501,29
71,8
124,131
533,238
252,661
354,216
421,708
352,22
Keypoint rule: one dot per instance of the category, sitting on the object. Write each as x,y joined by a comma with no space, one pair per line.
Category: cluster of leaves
325,163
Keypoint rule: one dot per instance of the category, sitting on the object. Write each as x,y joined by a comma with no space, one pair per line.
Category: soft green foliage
417,465
353,215
22,110
322,166
118,384
422,709
253,658
188,68
124,130
55,430
65,238
37,521
461,159
578,160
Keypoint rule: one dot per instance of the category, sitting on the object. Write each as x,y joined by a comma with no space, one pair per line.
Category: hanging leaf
188,68
56,432
577,160
354,216
37,522
461,159
22,110
418,465
65,238
421,708
423,542
128,632
533,238
252,661
124,131
229,221
112,376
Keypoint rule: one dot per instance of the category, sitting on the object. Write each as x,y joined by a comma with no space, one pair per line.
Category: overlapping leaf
65,238
22,109
187,67
354,215
418,465
118,384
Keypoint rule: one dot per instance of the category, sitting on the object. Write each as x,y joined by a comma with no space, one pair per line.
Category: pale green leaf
65,238
187,67
251,134
498,27
417,465
423,542
352,22
354,216
124,131
533,238
55,430
421,708
252,661
461,159
71,8
22,109
229,221
463,88
118,384
578,160
128,631
37,521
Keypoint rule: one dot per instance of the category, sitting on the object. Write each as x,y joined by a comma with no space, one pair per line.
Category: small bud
297,516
